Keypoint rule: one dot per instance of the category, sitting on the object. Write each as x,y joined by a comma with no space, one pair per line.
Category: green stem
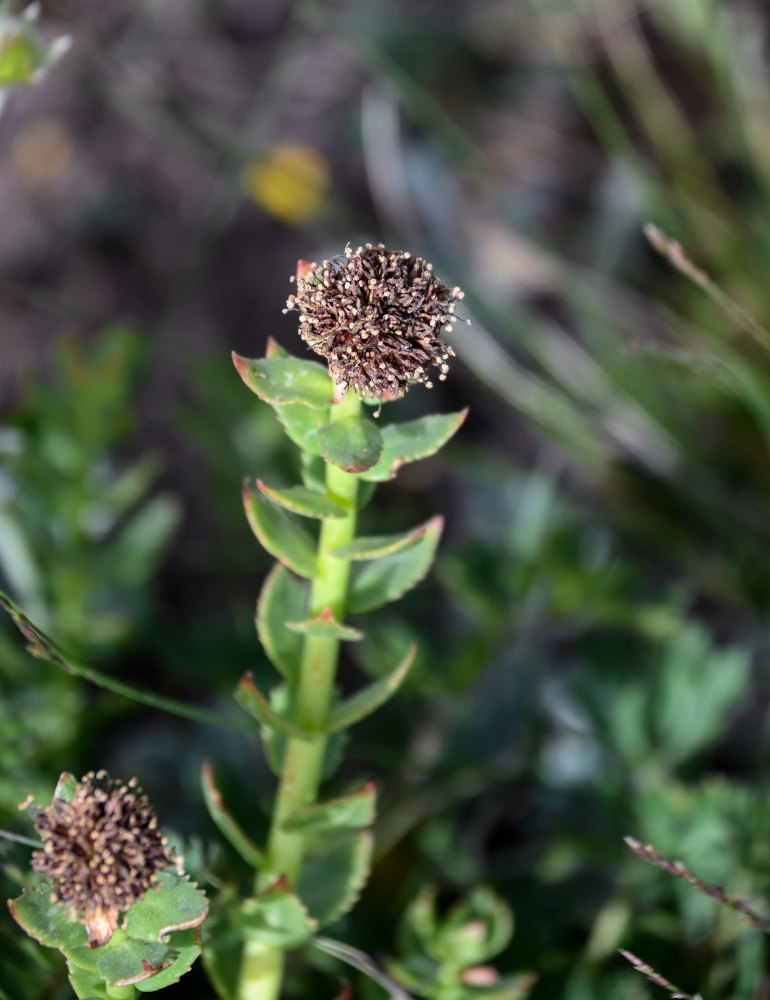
120,993
262,966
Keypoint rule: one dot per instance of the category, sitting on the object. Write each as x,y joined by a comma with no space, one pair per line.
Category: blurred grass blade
41,647
361,961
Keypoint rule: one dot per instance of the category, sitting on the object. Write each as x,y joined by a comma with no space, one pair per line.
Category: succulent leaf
279,534
87,984
347,812
173,904
250,698
411,441
383,580
302,424
47,922
359,705
324,626
377,546
276,917
301,500
353,444
280,380
330,883
283,597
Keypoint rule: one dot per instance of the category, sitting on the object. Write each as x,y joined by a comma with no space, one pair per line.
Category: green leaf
347,812
282,597
66,787
411,441
377,546
276,917
313,471
148,965
302,424
286,380
326,627
222,946
330,883
41,647
358,706
86,983
174,903
352,444
187,946
274,349
301,500
47,922
225,822
279,534
386,579
123,962
250,698
475,930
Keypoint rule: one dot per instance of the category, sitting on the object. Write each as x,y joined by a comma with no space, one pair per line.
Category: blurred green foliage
81,537
593,656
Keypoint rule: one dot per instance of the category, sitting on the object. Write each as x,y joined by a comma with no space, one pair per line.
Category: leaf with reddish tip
411,441
383,580
352,444
347,812
301,500
279,534
274,349
250,698
276,917
359,705
330,884
225,822
377,546
326,627
283,597
47,922
278,380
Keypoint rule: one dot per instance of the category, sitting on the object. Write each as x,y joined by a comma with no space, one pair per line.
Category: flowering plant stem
262,966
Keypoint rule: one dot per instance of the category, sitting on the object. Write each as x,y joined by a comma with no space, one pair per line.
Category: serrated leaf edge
369,788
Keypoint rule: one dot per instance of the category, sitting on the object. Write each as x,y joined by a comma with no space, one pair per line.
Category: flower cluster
375,315
103,851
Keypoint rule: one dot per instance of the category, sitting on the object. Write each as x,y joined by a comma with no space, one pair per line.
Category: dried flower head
103,851
375,315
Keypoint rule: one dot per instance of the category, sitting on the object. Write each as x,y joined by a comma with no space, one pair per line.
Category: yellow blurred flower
290,182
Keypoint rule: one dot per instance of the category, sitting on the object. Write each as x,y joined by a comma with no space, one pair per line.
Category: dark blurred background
593,643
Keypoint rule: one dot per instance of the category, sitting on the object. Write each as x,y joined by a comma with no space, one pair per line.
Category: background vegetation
593,645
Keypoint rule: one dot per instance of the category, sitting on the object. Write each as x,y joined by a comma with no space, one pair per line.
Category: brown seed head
103,851
375,315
